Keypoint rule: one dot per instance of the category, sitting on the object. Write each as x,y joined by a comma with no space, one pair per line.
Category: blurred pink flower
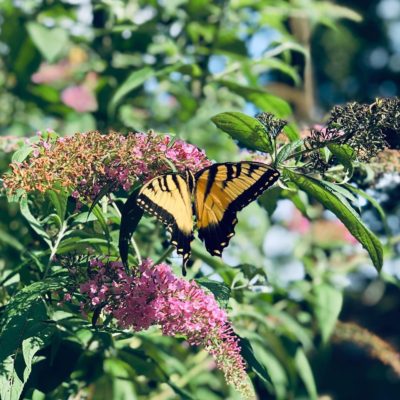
299,223
49,73
80,98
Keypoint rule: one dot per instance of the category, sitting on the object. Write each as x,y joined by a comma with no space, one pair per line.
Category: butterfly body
218,192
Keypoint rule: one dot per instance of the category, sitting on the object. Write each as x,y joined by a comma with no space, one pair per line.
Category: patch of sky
217,64
394,35
388,9
250,109
279,242
286,272
378,58
260,41
151,85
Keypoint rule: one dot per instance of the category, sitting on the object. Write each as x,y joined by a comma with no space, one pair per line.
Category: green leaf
11,241
24,329
33,222
345,154
59,200
292,132
21,154
374,203
249,355
249,131
275,369
338,204
97,211
263,100
269,199
134,80
220,291
306,374
286,150
328,303
50,42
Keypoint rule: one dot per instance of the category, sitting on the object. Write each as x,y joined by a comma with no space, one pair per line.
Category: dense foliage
185,83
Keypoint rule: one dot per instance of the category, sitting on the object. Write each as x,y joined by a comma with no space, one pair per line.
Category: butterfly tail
181,241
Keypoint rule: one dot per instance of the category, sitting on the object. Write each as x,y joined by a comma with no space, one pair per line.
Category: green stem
165,255
54,247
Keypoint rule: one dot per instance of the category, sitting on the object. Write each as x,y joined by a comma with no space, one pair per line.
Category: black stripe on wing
179,239
217,236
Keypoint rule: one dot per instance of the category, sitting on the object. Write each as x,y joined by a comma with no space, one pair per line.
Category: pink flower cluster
155,296
87,163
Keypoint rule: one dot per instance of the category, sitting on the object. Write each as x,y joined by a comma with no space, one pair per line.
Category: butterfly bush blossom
87,163
155,296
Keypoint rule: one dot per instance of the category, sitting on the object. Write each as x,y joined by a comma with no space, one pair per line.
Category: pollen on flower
87,163
155,296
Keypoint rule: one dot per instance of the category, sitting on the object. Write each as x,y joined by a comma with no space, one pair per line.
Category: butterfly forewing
168,198
221,191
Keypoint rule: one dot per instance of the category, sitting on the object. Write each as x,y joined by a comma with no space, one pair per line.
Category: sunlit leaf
262,99
248,131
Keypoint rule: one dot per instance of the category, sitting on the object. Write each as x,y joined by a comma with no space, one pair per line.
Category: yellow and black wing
221,191
168,198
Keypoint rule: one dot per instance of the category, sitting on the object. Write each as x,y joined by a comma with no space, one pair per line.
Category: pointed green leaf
249,355
328,303
306,374
59,200
260,98
338,204
248,131
33,222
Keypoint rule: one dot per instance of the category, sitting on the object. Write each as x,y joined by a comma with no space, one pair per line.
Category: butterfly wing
221,191
168,198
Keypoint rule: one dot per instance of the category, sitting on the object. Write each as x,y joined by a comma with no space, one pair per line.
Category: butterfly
218,191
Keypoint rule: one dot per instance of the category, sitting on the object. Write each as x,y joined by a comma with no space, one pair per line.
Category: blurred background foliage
74,66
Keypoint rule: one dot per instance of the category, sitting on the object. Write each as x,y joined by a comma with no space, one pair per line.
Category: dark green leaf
23,329
248,354
338,204
306,374
248,131
220,291
269,199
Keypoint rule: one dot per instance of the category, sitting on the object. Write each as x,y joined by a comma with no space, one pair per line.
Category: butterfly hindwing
221,191
168,198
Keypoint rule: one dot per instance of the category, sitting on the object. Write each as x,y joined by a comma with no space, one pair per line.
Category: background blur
74,66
